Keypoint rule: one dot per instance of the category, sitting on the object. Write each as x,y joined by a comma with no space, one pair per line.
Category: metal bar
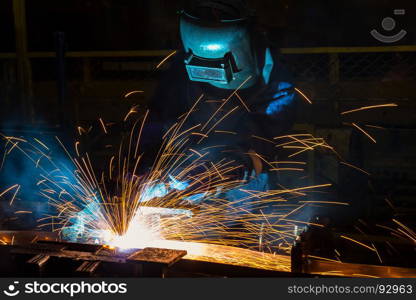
156,255
37,263
334,68
160,53
7,55
87,268
322,50
24,72
358,270
61,79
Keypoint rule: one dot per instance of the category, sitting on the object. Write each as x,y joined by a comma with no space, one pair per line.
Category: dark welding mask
217,42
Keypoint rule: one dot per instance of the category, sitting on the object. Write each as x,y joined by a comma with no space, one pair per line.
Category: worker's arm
273,115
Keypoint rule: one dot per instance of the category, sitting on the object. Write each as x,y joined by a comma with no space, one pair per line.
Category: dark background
130,25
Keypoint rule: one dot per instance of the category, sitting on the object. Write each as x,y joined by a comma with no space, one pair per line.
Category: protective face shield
218,51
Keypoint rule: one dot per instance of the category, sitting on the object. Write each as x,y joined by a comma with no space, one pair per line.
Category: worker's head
218,42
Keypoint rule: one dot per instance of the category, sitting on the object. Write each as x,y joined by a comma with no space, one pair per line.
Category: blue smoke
26,164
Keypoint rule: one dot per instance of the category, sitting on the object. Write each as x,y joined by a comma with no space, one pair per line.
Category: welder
225,53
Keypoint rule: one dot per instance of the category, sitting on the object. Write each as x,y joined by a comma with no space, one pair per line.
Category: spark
196,152
378,254
326,202
103,125
225,102
355,167
22,212
17,187
369,107
288,162
76,147
199,134
215,101
11,148
357,242
165,59
308,148
242,102
374,126
80,130
323,258
15,139
226,132
132,93
263,139
389,203
219,121
303,95
42,144
405,231
365,275
291,135
110,168
365,132
287,169
131,111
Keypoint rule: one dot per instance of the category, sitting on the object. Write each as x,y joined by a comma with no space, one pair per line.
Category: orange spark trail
357,242
23,212
225,131
131,111
132,92
42,144
225,102
76,147
286,169
80,130
14,195
103,125
165,59
326,202
8,189
365,132
303,95
288,162
374,126
242,102
369,107
355,167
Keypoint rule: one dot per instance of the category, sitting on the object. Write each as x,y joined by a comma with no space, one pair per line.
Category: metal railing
307,64
324,73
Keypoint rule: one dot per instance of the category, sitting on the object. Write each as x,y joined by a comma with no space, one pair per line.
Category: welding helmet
217,40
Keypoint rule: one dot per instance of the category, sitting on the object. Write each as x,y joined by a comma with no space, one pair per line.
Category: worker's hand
280,98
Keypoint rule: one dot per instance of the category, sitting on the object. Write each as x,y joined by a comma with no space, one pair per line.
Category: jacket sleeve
274,111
